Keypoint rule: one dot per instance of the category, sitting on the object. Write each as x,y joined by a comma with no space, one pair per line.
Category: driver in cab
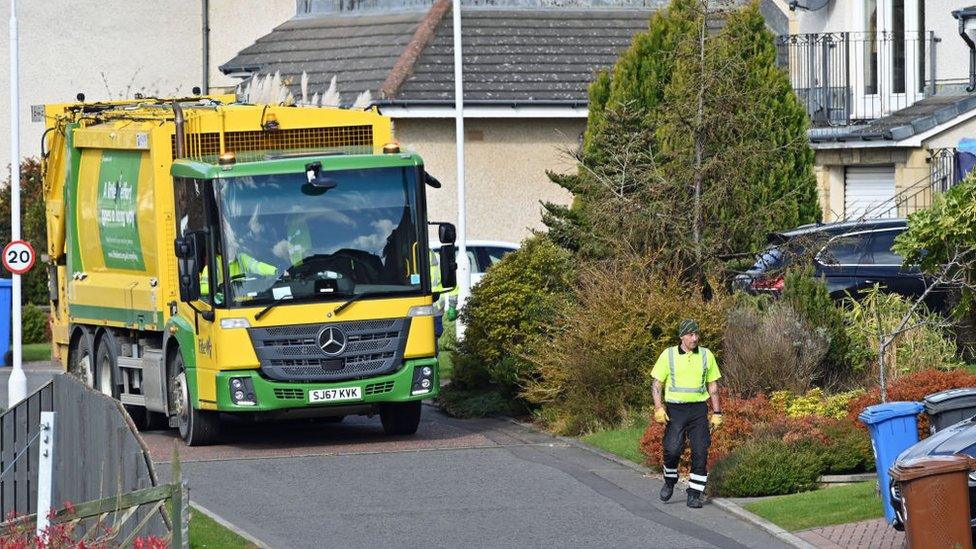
241,266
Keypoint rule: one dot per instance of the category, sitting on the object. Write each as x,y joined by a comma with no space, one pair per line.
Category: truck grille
292,353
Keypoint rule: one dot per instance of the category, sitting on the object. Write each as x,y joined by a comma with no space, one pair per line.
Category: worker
689,374
242,266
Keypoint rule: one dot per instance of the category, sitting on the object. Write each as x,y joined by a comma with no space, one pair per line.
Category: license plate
334,395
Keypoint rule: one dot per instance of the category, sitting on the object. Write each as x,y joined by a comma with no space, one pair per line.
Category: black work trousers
692,420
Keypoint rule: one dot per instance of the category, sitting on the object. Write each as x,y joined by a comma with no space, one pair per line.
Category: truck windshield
352,232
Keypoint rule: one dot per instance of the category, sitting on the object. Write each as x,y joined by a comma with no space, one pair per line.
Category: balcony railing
847,78
313,7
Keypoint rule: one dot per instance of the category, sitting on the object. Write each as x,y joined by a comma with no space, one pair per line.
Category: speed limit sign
18,257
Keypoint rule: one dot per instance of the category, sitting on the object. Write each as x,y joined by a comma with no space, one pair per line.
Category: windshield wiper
274,304
352,300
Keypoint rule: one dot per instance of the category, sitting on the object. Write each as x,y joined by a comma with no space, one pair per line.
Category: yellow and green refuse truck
209,258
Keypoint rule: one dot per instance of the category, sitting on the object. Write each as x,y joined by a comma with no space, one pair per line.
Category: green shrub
769,347
927,345
595,368
810,299
466,403
514,303
848,449
34,323
766,467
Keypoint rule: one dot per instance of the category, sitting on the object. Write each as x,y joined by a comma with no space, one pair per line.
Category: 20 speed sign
18,257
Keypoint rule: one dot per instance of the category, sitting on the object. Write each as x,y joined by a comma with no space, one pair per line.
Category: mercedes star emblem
332,340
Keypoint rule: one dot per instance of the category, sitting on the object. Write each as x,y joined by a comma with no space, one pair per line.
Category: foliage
925,346
596,366
765,467
809,297
691,133
740,417
771,348
841,446
34,322
912,387
814,403
18,533
513,304
945,234
467,403
33,227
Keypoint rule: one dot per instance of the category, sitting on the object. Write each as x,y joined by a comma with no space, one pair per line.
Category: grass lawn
207,533
837,505
623,442
34,352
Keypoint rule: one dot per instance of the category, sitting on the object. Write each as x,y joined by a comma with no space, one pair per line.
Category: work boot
694,499
666,491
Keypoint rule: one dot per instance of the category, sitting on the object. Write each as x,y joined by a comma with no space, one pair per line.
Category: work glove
716,420
660,415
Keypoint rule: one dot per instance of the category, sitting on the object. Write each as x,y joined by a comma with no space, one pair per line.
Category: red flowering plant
19,532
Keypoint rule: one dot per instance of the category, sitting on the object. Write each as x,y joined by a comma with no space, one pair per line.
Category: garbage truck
210,257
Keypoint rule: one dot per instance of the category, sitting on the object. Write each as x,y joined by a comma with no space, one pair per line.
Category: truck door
195,211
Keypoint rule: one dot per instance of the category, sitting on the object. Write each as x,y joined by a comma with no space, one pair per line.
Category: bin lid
881,412
963,397
929,466
5,282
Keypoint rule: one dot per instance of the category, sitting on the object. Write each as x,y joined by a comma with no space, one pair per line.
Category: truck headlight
421,310
423,380
229,323
242,392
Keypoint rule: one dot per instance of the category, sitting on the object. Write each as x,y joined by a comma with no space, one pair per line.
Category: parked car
849,256
485,253
959,438
481,255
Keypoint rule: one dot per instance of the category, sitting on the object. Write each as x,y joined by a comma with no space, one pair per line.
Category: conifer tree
695,145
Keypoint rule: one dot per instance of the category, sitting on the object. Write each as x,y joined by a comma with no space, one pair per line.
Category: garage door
869,192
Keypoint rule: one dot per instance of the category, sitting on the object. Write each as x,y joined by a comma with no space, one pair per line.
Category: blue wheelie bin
6,296
893,428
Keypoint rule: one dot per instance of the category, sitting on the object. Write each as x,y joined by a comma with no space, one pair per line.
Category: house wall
116,48
951,137
505,165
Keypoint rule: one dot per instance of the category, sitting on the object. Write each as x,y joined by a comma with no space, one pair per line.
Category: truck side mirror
448,266
446,233
191,255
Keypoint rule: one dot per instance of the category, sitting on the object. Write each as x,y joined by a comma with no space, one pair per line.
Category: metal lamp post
463,265
17,384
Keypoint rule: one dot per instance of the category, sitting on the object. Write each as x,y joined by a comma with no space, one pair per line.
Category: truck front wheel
197,427
400,418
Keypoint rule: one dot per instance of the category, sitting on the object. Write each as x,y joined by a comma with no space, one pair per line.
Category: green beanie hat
687,326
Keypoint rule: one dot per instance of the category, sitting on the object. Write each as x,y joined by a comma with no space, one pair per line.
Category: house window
898,46
921,47
871,47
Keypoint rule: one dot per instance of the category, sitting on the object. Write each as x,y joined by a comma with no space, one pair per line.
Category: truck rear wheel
401,418
197,427
81,359
105,366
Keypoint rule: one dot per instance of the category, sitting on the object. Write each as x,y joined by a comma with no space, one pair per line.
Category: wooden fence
98,456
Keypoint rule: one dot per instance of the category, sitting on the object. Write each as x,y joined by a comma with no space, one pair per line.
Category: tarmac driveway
457,483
